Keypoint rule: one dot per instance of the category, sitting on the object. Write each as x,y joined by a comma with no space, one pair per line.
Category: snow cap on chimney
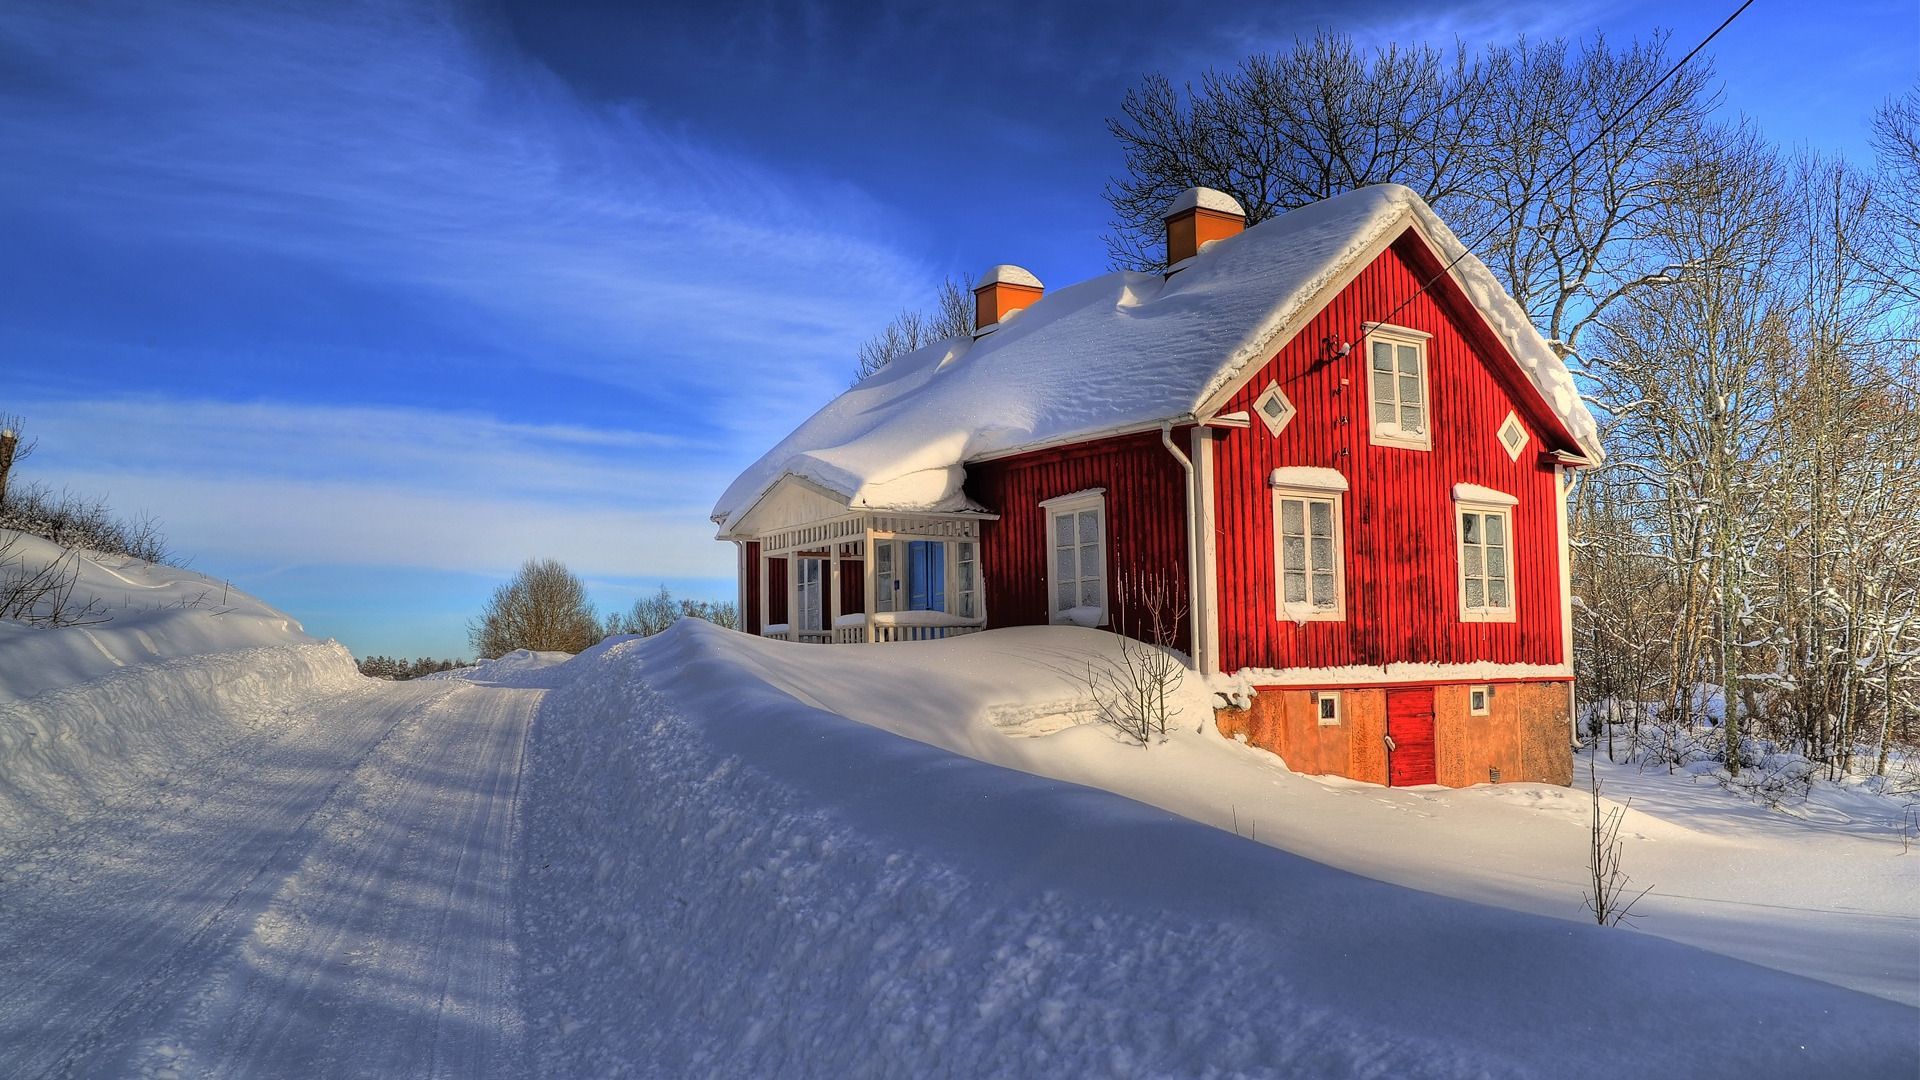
1000,292
1197,217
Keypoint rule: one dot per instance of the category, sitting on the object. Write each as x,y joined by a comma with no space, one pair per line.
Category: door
1410,737
926,575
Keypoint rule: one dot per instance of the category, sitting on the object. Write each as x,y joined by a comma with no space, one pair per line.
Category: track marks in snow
388,951
334,896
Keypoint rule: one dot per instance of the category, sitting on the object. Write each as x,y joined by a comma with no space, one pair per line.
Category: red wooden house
1333,434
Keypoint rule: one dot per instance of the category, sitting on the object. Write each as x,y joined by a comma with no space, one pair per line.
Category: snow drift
183,668
724,878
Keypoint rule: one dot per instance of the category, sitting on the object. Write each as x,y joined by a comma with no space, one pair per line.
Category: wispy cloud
386,487
411,147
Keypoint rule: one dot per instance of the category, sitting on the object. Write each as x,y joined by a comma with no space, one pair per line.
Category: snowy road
332,896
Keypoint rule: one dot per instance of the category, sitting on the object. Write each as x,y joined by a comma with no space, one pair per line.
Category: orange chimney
1199,216
1000,292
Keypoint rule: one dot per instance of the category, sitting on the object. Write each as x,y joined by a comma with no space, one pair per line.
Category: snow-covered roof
1008,274
1123,351
1206,198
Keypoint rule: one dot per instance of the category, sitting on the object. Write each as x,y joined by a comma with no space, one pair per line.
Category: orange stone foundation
1525,738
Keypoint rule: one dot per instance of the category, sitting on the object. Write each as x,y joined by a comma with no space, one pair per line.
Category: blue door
926,575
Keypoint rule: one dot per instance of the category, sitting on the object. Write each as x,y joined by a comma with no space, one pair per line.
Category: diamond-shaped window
1273,408
1513,436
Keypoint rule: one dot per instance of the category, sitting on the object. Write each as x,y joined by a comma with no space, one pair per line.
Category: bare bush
77,521
1607,895
41,594
1133,689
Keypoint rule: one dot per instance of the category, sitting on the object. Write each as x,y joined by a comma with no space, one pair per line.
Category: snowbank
68,751
151,613
724,877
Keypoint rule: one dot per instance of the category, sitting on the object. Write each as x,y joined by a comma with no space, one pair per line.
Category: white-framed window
811,616
1485,534
1513,436
1397,387
1479,700
1326,707
966,577
1273,408
1309,570
885,577
1077,557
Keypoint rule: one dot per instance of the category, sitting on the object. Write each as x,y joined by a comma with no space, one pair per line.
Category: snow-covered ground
776,889
707,854
1830,895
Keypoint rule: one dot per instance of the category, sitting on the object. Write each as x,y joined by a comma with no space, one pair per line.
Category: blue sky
369,302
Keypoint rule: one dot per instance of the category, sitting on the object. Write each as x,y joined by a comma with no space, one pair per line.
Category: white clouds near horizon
385,486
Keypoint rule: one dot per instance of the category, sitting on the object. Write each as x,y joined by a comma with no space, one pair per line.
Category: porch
865,577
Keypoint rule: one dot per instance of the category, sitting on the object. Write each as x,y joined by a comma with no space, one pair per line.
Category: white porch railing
887,627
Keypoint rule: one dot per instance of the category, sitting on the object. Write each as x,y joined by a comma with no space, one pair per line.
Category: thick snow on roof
1125,350
1008,274
1206,198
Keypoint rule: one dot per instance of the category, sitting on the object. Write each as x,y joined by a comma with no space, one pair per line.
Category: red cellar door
1410,731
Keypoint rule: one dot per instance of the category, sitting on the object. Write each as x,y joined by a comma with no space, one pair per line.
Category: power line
1605,130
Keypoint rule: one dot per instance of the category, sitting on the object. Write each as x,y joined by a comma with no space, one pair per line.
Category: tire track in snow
389,951
92,955
129,918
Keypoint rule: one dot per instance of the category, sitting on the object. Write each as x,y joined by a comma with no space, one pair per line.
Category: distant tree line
652,614
545,609
399,669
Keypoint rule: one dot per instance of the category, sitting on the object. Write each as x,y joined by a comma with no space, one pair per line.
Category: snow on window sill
1081,616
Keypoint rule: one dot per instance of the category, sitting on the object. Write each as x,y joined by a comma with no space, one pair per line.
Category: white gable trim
813,501
1263,353
1407,221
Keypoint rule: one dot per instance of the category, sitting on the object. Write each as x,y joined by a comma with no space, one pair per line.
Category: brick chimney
1000,292
1199,216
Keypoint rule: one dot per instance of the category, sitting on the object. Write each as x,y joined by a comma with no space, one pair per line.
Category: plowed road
333,897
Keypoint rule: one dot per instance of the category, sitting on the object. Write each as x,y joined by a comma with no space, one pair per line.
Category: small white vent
1513,436
1273,408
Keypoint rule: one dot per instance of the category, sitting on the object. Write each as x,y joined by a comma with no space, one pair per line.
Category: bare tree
1896,143
909,331
544,608
1283,130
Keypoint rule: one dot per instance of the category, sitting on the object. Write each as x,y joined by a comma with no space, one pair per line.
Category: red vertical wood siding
1146,520
853,587
750,618
776,591
1402,569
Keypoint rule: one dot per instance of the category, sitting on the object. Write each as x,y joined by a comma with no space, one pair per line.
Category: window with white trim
1397,381
1479,700
1486,563
966,574
1326,707
812,615
1307,555
1077,558
885,581
1273,408
1513,436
